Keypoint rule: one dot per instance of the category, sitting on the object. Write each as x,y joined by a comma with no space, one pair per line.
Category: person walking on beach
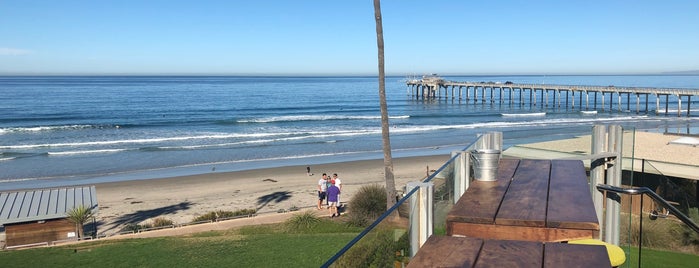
308,171
322,188
333,193
338,183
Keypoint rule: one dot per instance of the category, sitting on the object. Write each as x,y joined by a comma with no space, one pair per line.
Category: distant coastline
274,75
693,72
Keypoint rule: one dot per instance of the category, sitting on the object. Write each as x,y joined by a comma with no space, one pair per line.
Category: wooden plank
504,253
480,202
574,256
560,234
34,232
447,251
570,201
525,233
524,203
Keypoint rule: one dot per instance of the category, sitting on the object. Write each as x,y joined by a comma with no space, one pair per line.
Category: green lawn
658,258
265,246
255,246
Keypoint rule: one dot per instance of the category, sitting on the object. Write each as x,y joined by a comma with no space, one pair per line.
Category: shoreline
213,168
182,198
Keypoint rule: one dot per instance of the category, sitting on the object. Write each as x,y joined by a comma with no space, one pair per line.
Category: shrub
689,236
132,227
243,212
377,249
222,214
160,222
302,222
367,204
662,234
211,216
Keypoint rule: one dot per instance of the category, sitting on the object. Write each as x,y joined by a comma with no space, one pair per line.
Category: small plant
79,215
302,221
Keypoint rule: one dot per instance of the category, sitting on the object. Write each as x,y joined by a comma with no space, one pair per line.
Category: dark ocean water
76,130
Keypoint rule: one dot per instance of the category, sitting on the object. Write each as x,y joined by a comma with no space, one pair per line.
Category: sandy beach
181,199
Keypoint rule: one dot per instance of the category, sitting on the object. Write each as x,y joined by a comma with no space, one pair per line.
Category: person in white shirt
338,183
322,188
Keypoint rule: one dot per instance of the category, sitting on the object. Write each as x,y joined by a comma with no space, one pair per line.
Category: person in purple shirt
333,193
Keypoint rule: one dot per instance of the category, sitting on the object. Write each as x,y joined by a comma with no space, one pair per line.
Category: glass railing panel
443,197
626,223
385,245
630,204
663,239
386,241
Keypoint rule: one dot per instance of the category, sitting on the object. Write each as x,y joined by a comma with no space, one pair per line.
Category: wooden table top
533,200
447,251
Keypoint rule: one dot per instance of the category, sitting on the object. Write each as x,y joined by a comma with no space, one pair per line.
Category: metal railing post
597,167
421,214
611,224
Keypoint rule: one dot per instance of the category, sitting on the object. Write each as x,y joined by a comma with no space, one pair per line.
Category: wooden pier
588,97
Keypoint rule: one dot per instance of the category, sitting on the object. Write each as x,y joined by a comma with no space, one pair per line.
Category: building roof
44,204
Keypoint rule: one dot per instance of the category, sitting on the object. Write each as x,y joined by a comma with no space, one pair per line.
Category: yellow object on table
617,257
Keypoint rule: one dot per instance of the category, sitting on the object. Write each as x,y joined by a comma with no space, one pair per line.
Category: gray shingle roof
44,204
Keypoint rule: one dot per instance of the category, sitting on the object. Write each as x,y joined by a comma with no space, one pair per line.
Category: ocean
74,130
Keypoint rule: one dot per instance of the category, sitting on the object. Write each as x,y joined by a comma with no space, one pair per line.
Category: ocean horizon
74,130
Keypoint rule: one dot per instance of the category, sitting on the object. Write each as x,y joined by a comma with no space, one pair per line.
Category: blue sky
265,37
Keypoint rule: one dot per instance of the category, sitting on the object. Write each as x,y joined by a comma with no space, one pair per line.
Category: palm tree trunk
385,137
79,228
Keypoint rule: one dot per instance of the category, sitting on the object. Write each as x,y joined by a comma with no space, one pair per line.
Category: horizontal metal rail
645,190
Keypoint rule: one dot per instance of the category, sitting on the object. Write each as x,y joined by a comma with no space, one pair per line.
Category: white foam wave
44,128
87,152
267,141
273,137
524,114
674,111
143,141
295,118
